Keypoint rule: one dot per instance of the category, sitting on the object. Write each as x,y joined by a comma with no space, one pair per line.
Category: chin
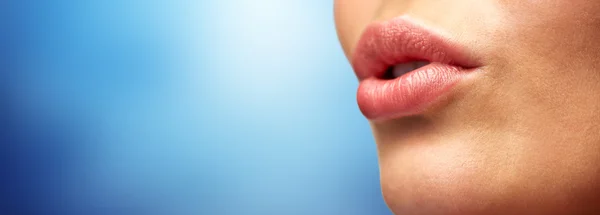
431,175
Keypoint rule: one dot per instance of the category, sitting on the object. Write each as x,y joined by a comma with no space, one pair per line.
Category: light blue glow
190,107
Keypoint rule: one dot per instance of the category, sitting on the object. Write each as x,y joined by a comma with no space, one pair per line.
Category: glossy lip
396,41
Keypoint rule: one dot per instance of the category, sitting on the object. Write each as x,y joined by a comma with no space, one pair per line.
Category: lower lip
409,94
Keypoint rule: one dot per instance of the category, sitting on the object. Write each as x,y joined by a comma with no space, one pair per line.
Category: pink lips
389,43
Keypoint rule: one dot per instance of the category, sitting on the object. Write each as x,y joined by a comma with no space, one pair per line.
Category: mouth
404,68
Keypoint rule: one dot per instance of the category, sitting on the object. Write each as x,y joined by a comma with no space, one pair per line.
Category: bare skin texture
521,135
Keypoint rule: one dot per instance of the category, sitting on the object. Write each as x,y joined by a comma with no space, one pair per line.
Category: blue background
180,108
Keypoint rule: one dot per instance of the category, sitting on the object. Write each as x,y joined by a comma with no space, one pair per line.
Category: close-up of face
480,106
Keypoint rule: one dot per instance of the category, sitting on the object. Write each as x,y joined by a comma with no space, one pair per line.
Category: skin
521,135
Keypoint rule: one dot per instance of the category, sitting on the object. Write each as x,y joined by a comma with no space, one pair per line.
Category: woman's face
507,120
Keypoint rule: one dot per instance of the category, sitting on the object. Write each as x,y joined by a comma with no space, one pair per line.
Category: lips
383,60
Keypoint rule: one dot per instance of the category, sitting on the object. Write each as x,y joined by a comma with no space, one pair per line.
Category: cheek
351,17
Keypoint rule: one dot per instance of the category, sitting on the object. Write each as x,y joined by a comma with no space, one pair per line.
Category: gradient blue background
180,108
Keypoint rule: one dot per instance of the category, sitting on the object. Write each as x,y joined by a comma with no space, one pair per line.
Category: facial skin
522,136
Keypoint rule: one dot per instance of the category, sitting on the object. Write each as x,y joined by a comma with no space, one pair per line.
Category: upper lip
397,41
